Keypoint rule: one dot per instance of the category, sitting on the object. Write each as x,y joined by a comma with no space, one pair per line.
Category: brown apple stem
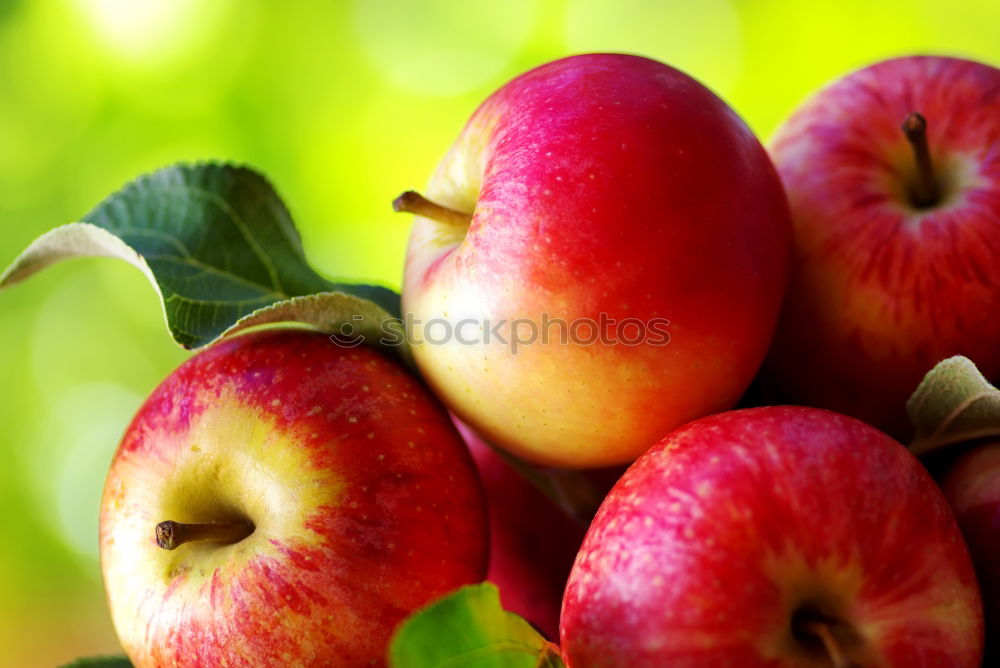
925,191
822,630
415,203
171,535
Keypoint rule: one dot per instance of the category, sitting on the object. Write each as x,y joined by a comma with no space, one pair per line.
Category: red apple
972,488
897,234
619,208
778,536
315,495
533,541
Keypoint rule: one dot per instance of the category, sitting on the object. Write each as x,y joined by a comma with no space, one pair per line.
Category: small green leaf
953,404
351,318
215,241
100,662
468,628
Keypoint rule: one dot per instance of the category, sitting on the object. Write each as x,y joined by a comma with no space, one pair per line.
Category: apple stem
822,630
925,192
415,203
171,535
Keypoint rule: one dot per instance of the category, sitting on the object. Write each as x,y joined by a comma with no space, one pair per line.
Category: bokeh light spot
151,32
70,459
443,47
704,39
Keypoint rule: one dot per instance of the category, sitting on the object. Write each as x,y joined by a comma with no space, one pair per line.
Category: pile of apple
284,500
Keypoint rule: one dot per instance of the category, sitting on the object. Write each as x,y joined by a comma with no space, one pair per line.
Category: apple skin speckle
638,164
882,290
711,541
336,505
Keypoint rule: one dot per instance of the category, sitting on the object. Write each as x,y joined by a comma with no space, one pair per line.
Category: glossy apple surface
885,286
597,188
972,488
777,536
363,500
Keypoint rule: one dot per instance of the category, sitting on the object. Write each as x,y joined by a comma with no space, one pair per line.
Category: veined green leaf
214,240
953,404
351,318
470,629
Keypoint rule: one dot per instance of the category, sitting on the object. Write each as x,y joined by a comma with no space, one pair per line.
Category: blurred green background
343,105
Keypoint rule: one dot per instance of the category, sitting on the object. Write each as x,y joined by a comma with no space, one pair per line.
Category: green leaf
469,628
953,404
100,662
215,241
353,319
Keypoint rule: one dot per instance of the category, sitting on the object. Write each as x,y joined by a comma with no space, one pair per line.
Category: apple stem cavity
415,203
925,192
171,535
823,631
